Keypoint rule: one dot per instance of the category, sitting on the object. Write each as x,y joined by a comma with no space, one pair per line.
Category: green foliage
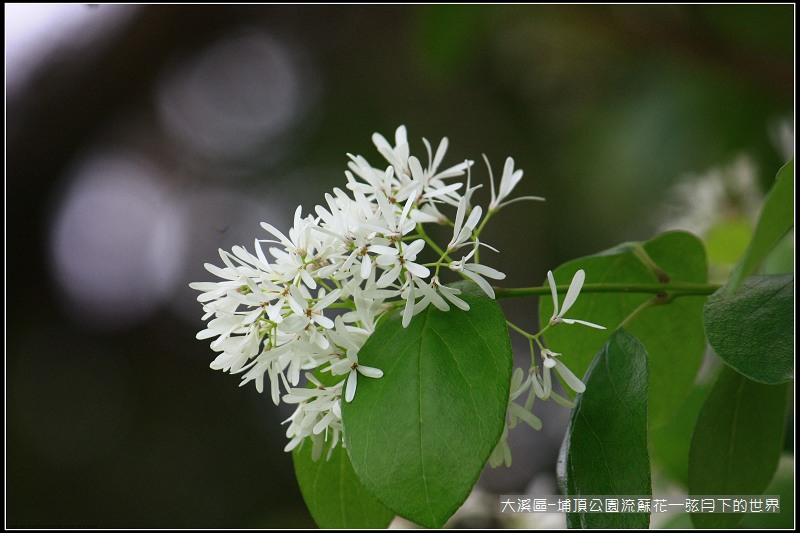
777,217
673,334
419,436
669,443
737,442
782,485
334,495
751,330
605,449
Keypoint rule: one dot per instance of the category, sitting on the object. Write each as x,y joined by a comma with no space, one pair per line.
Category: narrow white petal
400,136
474,218
323,321
382,250
327,300
416,169
553,291
484,270
272,229
491,181
388,277
418,270
460,212
298,308
370,372
516,379
482,283
574,291
350,390
414,248
323,424
562,401
366,267
431,294
408,312
585,323
455,300
308,280
569,378
537,387
532,393
437,160
385,260
293,444
547,383
532,420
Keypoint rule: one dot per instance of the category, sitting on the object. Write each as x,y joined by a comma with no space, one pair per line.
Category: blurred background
140,139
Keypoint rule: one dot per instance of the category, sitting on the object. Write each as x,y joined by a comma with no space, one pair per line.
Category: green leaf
419,436
777,217
782,484
334,495
752,330
605,449
737,442
672,333
669,443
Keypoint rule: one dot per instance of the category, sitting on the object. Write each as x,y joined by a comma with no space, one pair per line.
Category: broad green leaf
777,217
669,443
605,448
673,333
737,442
752,330
334,495
419,436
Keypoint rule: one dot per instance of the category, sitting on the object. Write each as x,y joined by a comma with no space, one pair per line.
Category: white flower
475,272
515,412
351,339
431,294
351,366
462,231
572,295
358,250
318,411
404,260
502,452
305,314
508,181
549,361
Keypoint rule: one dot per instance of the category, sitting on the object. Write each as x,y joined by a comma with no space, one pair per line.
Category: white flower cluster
540,384
359,253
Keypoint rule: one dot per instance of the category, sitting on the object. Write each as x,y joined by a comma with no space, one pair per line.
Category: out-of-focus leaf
777,217
737,442
782,485
752,330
